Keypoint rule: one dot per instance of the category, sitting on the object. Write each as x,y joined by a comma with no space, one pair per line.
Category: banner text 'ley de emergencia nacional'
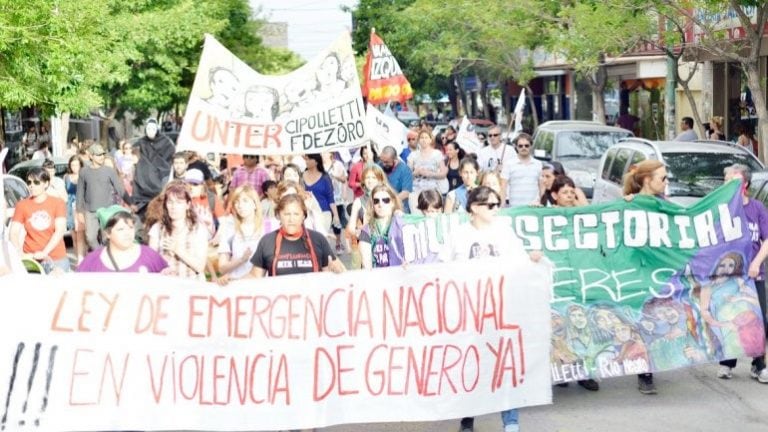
98,352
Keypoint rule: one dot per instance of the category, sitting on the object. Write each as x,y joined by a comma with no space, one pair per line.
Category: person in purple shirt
122,253
757,222
399,175
376,246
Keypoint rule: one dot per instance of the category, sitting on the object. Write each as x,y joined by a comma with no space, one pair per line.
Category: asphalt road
688,400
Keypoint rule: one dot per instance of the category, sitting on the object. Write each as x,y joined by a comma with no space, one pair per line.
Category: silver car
694,169
578,146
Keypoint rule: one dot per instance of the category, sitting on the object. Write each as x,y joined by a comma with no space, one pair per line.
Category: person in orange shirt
39,223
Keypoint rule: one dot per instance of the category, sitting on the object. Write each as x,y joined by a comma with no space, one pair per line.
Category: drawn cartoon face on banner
234,109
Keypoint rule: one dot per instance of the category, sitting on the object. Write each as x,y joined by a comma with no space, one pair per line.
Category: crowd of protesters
149,208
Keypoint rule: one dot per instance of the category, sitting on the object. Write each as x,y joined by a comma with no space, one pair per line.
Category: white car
694,169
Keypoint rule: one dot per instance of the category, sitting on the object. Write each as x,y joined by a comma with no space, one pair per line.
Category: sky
312,24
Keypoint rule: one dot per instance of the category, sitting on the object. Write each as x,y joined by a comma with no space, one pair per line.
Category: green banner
640,286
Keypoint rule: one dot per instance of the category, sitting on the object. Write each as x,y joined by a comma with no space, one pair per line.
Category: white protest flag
96,352
385,130
518,112
234,109
467,138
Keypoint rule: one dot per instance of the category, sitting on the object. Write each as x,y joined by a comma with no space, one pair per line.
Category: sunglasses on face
34,182
494,135
523,146
385,200
490,205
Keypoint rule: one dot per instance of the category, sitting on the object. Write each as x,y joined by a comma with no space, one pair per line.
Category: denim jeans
510,417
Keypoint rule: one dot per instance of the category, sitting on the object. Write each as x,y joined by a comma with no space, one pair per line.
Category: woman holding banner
486,236
376,248
122,253
293,249
649,177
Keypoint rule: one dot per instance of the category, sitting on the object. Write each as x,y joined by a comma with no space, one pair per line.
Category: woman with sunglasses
122,253
486,236
178,237
372,176
376,249
456,200
293,249
39,223
649,177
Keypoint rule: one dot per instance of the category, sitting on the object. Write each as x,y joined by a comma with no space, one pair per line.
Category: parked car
21,169
14,190
694,169
407,117
578,146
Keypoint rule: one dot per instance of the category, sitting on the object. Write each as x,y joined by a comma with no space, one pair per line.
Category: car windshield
697,174
586,144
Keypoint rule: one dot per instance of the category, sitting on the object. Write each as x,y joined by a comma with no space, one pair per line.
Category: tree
589,32
47,52
738,40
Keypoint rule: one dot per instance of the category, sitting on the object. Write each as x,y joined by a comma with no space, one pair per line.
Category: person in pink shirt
251,173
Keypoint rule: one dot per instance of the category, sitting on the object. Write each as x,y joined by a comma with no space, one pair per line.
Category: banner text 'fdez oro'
234,109
147,352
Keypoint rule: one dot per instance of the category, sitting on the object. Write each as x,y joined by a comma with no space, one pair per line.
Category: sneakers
645,384
590,384
725,372
761,377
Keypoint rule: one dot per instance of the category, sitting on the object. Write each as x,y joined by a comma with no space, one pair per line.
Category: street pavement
691,399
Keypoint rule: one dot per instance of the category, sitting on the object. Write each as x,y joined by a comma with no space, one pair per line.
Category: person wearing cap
206,205
121,253
97,187
154,166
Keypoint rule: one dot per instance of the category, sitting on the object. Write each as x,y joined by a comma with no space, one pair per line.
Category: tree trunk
462,97
484,98
534,113
597,83
452,96
758,97
694,108
506,104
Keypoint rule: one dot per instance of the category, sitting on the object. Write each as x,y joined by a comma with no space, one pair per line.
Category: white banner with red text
98,352
234,109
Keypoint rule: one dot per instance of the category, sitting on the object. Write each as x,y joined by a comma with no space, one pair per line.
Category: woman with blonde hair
238,240
649,177
493,180
716,123
375,246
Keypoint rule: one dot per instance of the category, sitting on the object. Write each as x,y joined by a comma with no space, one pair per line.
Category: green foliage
46,54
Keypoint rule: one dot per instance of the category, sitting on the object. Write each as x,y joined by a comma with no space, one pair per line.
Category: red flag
383,80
